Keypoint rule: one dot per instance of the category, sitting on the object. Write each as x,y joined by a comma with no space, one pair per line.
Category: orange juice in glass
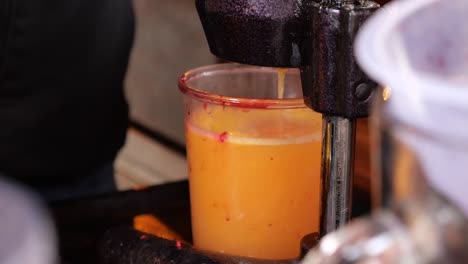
254,161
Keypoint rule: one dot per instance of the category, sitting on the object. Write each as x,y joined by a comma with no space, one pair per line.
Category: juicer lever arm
332,82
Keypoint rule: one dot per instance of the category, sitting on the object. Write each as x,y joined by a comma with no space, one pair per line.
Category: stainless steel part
337,172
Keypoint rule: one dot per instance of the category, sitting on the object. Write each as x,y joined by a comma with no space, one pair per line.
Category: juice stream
281,76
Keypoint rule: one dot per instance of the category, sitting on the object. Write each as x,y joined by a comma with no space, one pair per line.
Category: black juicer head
316,37
259,32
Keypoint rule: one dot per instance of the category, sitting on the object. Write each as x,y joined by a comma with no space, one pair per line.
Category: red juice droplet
205,106
143,237
223,137
178,245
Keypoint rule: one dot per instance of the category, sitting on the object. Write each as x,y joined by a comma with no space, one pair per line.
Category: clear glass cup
254,160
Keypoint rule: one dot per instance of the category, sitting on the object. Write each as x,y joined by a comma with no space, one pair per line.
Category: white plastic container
419,50
27,235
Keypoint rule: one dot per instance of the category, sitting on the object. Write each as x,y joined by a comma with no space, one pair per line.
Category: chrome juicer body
317,38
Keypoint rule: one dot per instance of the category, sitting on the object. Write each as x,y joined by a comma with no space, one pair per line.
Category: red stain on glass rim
206,71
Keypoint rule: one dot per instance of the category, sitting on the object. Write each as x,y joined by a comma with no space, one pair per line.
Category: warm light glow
329,245
151,224
386,93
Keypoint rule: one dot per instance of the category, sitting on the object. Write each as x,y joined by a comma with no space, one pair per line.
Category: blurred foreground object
418,51
27,235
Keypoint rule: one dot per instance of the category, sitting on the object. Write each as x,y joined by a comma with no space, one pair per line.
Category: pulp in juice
254,179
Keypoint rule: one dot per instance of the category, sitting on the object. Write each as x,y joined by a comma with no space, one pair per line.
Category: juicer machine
316,37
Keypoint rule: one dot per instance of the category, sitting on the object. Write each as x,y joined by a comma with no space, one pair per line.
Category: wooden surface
144,161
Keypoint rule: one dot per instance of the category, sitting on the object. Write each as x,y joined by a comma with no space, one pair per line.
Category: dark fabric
63,112
100,181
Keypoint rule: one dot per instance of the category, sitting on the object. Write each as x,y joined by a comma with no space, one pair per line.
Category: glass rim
224,100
